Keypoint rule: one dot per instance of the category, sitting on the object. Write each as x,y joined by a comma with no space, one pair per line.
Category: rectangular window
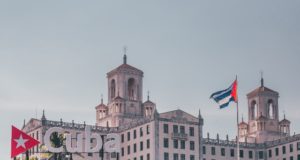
213,151
250,154
298,157
260,154
141,157
182,157
175,156
192,145
166,128
222,151
276,151
270,153
128,136
122,138
148,143
128,149
182,144
166,142
122,151
148,156
175,143
134,134
192,131
134,147
192,157
298,146
242,153
141,146
291,158
182,129
291,147
148,129
232,152
283,149
166,156
141,132
204,150
90,154
175,129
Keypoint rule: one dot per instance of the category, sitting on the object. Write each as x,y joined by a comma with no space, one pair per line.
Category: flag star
21,142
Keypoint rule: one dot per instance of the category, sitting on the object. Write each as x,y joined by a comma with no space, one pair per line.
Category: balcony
179,136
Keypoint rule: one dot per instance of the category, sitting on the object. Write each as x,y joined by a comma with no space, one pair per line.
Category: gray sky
54,55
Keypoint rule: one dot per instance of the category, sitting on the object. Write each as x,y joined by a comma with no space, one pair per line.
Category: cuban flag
224,97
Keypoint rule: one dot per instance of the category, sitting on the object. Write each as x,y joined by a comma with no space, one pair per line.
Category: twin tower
125,98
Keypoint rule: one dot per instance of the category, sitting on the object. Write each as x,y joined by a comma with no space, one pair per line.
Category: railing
179,136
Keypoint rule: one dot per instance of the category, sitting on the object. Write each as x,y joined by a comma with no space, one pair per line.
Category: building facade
146,134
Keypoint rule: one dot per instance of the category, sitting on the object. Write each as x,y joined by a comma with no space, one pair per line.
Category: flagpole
237,121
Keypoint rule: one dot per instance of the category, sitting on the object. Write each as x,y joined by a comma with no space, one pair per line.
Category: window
283,149
148,156
291,147
242,153
90,154
204,150
192,131
128,136
175,156
141,146
182,144
128,149
298,157
213,150
134,134
222,151
182,157
141,157
192,145
166,142
122,151
291,158
276,151
175,143
192,157
270,153
250,154
166,128
166,156
148,129
232,152
148,143
298,146
175,128
134,147
122,138
182,129
260,154
141,132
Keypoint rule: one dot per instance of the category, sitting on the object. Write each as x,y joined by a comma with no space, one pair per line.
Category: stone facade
174,135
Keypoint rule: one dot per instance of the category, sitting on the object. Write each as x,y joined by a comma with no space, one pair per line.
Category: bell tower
125,95
263,117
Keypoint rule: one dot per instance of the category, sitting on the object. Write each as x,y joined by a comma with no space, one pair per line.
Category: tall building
174,135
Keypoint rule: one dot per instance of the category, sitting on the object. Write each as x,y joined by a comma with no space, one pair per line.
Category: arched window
113,88
131,86
271,109
253,110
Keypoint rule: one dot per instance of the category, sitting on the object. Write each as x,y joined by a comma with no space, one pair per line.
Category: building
174,135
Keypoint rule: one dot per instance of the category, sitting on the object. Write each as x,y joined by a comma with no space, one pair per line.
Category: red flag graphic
21,142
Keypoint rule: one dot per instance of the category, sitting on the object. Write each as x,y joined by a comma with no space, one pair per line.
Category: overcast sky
54,55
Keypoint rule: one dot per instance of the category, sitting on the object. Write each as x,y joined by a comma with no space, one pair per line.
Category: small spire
242,118
101,98
199,115
43,116
125,57
148,95
261,78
